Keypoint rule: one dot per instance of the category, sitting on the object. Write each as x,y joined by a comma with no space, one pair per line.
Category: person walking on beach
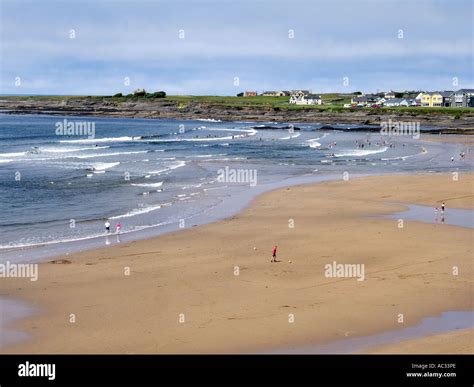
274,254
107,226
443,207
118,226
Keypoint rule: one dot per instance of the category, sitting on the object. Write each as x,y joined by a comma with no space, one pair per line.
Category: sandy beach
213,289
457,342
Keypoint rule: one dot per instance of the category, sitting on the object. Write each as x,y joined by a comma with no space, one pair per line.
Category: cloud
224,39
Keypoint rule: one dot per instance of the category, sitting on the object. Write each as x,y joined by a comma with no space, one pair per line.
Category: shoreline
82,282
194,109
430,329
219,212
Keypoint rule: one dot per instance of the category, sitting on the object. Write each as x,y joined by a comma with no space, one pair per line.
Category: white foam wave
137,211
151,185
246,133
168,168
16,154
313,143
290,137
360,152
102,166
108,154
69,150
100,140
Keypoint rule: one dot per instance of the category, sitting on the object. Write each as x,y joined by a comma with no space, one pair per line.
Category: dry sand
191,274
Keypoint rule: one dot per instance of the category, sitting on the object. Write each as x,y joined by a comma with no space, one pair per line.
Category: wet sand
456,342
212,288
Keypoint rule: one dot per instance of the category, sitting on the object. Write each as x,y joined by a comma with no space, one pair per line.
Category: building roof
396,100
313,96
446,93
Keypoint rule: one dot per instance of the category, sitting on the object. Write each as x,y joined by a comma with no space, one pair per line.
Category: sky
223,47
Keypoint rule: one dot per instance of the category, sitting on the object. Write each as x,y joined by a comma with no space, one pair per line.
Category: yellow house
426,99
431,99
436,100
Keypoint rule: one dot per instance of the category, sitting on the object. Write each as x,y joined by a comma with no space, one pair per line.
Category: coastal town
461,98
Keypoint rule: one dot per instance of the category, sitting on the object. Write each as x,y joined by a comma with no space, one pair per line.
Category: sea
58,188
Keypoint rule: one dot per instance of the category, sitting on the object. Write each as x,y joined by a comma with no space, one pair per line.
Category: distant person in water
107,226
118,227
274,254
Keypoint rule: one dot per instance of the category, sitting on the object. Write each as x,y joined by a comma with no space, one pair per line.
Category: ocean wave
69,150
102,166
227,159
208,120
107,155
16,154
99,140
6,161
151,185
137,211
290,137
360,152
168,168
246,133
313,143
45,243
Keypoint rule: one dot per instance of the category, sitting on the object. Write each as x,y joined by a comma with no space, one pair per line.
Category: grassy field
331,103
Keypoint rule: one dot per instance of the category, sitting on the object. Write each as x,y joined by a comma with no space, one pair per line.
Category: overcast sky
202,46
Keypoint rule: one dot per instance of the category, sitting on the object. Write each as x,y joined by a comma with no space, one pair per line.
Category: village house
304,92
394,102
300,98
447,95
462,98
250,94
436,99
365,100
389,95
281,93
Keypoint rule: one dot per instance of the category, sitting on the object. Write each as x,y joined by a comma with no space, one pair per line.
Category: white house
300,98
280,93
391,102
389,95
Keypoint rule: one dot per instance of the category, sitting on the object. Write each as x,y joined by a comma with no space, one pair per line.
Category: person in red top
274,254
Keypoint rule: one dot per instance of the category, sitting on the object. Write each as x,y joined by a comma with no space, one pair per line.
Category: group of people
107,225
461,157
